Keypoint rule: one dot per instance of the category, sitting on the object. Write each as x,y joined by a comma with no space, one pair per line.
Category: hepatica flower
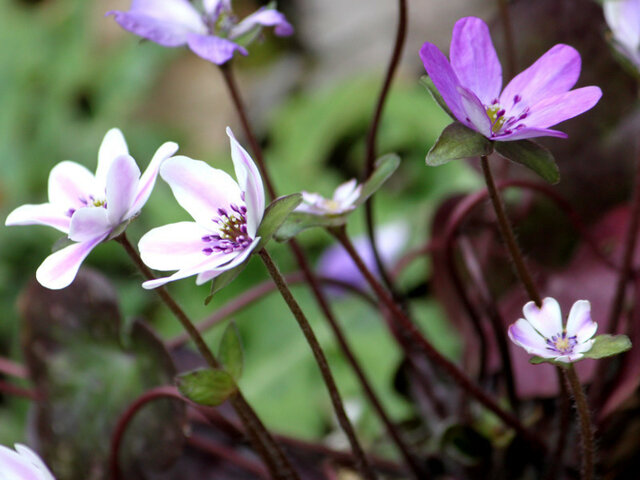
213,32
623,17
90,208
226,217
538,98
22,464
542,333
343,200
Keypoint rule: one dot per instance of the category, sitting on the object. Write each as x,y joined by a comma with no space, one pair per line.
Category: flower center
501,123
89,201
561,343
496,115
232,231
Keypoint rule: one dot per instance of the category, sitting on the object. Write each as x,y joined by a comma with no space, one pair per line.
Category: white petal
200,189
42,214
113,146
211,274
178,12
210,263
29,455
546,320
523,334
250,183
70,185
347,193
122,186
580,323
173,246
60,268
89,223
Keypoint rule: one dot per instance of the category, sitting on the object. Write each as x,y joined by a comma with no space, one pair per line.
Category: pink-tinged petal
474,59
580,323
214,49
60,268
583,347
29,455
237,260
546,320
113,146
623,17
214,8
250,183
523,334
199,188
527,132
89,223
43,214
210,263
558,108
122,186
14,466
555,72
148,178
475,114
264,17
70,184
443,77
173,246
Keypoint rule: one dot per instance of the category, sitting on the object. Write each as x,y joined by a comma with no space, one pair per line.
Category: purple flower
22,464
213,34
90,208
541,332
343,200
536,99
227,216
623,17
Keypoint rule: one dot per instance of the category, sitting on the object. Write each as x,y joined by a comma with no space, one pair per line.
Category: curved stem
321,360
261,439
218,450
586,426
11,389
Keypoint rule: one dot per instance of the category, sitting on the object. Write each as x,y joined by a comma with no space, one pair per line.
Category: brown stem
508,38
11,389
261,439
563,427
586,426
363,464
218,450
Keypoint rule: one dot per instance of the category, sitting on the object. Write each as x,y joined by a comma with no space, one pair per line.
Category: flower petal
148,178
546,320
113,146
623,17
527,132
60,268
443,77
474,59
476,116
122,185
250,183
209,263
211,274
70,185
580,323
523,334
14,466
266,17
214,49
347,193
553,73
213,8
199,188
42,214
173,246
89,223
29,455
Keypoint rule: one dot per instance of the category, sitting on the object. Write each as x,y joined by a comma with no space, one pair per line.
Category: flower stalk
586,425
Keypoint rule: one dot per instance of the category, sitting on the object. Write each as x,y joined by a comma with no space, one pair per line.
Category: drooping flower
22,464
213,33
541,331
226,219
90,208
536,99
623,17
343,200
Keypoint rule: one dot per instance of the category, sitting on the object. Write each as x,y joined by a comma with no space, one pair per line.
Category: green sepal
426,82
457,142
275,215
61,243
385,167
531,155
538,360
224,279
230,351
206,386
608,346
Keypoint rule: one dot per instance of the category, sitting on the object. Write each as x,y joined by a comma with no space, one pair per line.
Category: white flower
343,200
541,332
88,208
227,216
22,464
623,17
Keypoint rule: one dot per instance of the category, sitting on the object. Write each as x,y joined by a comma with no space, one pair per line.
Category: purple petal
555,72
475,114
250,183
523,334
214,49
113,146
474,59
214,8
266,17
580,323
558,108
148,178
443,77
199,188
60,268
527,132
89,223
122,185
204,277
623,17
43,214
546,320
70,185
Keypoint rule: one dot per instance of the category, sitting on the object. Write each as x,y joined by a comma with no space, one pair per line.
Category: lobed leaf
457,142
608,345
230,351
206,386
275,215
531,155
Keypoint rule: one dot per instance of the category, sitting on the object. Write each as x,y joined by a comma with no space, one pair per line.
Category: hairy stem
586,426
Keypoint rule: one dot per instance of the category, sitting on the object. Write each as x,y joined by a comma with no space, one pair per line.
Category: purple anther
207,251
516,99
70,212
500,113
222,212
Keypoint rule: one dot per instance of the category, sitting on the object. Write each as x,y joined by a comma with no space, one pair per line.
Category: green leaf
426,82
384,168
230,351
531,155
457,142
206,386
275,215
608,345
539,360
224,279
